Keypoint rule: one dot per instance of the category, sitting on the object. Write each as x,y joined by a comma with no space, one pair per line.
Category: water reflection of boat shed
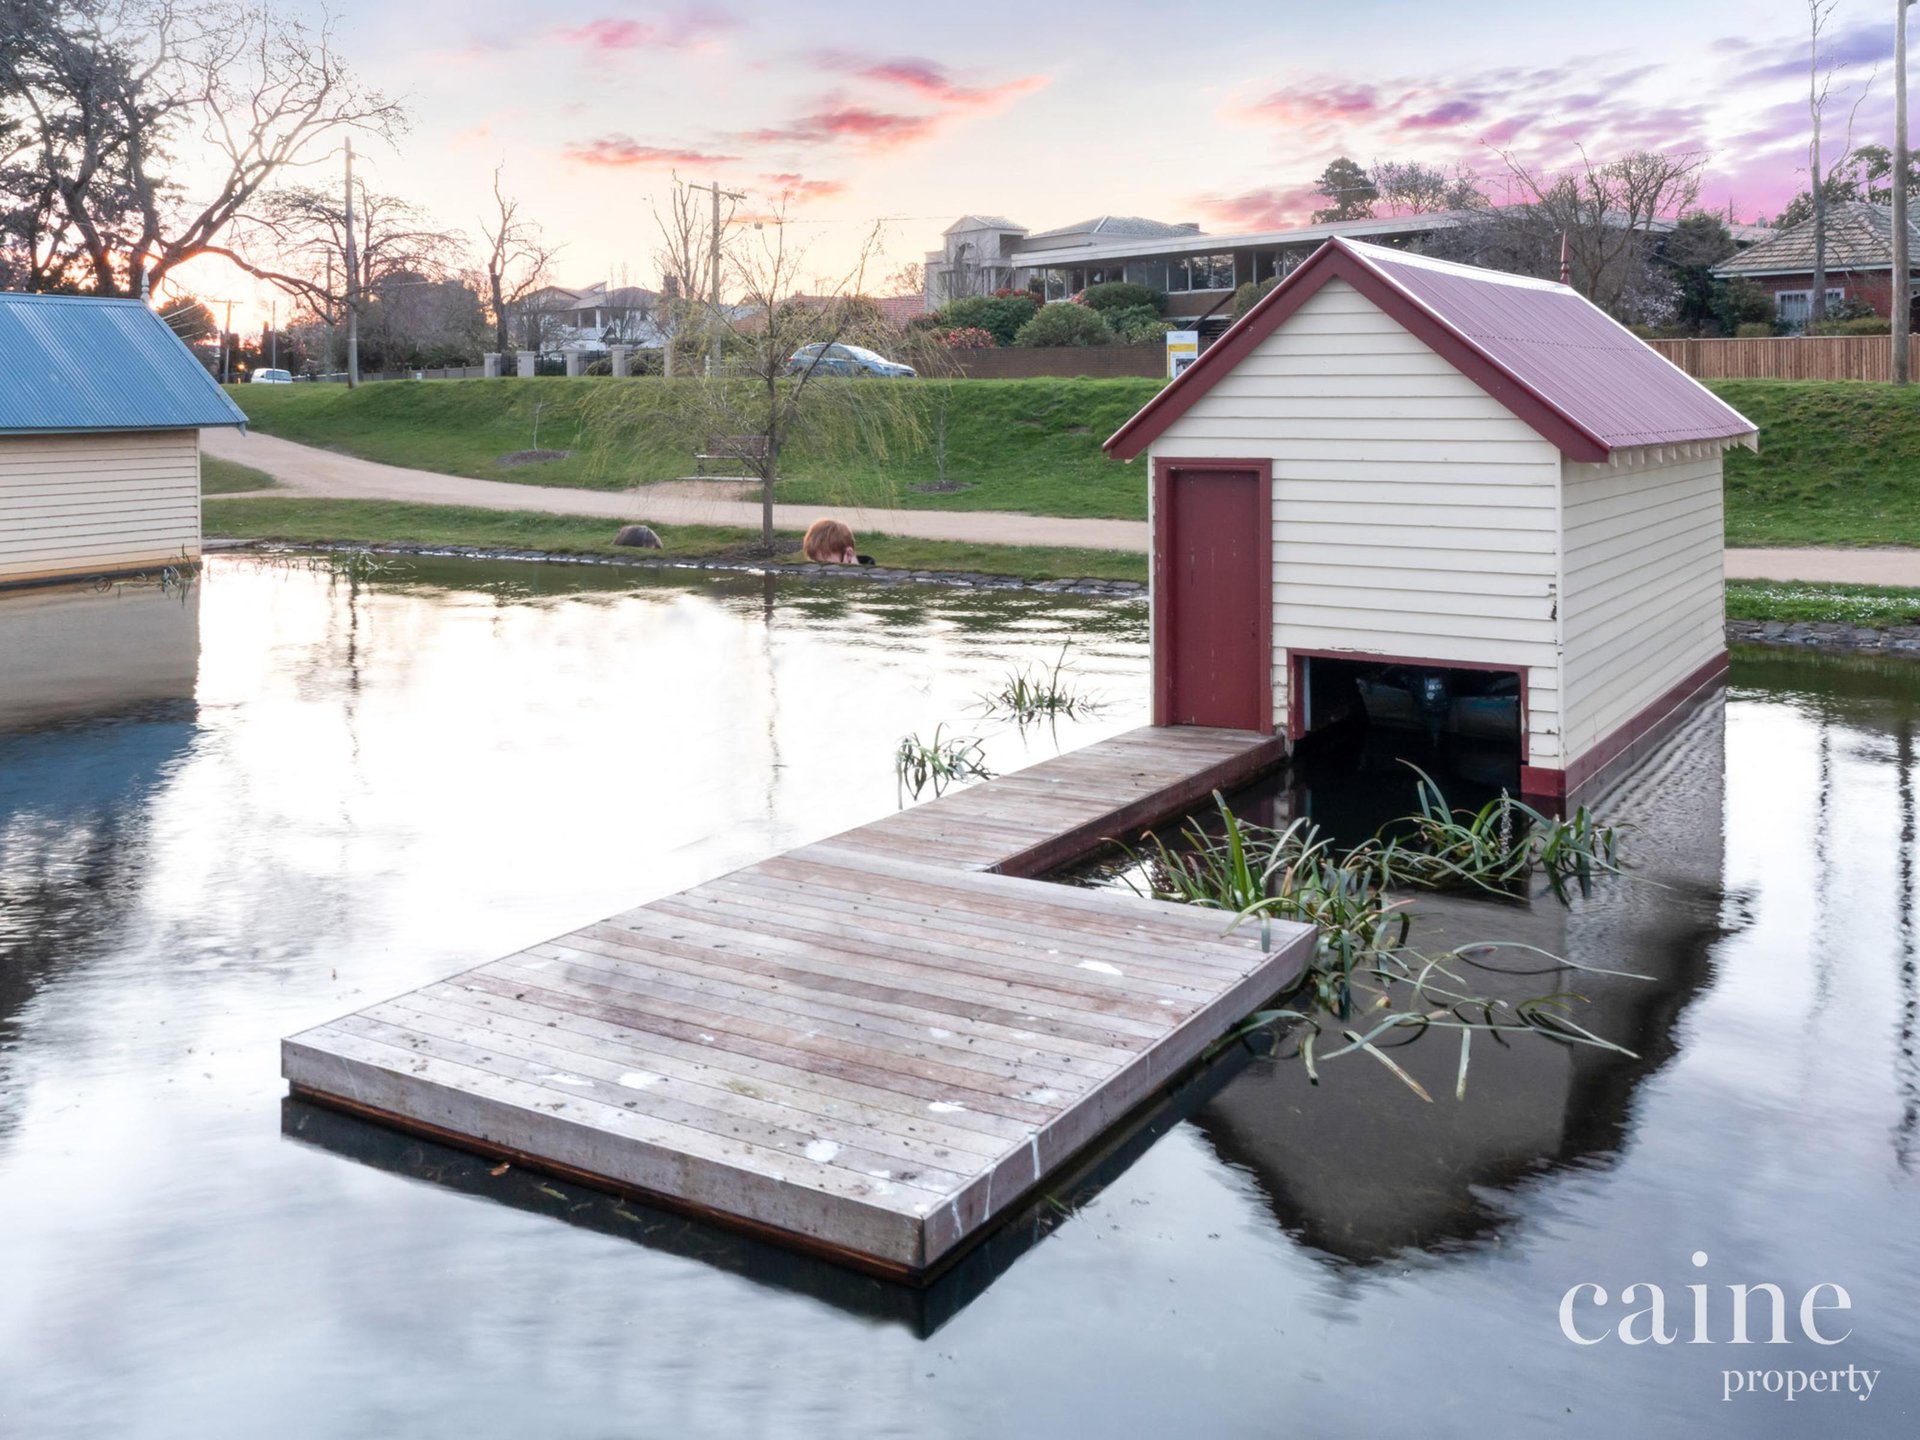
1477,479
1362,1169
100,422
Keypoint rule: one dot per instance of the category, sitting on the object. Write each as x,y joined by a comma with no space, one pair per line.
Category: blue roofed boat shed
101,407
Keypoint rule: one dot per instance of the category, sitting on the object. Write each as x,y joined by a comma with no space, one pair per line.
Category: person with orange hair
829,542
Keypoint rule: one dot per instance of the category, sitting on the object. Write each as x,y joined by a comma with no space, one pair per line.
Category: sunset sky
1221,114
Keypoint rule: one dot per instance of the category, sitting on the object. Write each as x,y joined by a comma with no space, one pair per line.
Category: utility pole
226,347
273,321
713,256
353,312
1902,306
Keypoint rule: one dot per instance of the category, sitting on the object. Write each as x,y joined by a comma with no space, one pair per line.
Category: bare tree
1607,211
108,94
517,260
769,379
297,240
1819,178
1408,187
685,257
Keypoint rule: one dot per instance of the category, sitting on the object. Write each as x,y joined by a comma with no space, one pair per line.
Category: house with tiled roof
1859,262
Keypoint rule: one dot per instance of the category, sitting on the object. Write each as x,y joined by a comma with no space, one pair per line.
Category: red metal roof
1577,376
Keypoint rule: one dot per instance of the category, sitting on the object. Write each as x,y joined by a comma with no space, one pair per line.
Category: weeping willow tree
754,379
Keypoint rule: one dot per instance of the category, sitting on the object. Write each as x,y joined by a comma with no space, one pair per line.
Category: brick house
1859,262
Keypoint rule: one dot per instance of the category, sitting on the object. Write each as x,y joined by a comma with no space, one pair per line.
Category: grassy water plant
1364,978
1038,692
939,762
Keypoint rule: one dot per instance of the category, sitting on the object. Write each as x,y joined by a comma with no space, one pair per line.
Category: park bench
748,451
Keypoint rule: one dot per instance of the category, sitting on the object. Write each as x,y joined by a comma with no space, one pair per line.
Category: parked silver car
270,377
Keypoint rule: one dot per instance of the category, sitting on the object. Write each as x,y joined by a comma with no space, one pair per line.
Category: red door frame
1164,470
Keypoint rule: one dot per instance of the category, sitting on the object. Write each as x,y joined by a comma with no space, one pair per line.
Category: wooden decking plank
1043,994
1043,953
993,1071
586,1017
978,915
755,991
427,1030
939,1083
1116,902
899,1117
850,973
779,971
857,1143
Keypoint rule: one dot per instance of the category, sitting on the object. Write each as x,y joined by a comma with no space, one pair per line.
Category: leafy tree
1696,244
1349,192
1738,304
1064,323
1122,295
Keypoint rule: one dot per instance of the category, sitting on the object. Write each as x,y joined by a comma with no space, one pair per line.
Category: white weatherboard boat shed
1400,460
100,413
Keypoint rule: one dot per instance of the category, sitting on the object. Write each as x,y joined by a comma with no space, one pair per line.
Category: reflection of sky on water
377,785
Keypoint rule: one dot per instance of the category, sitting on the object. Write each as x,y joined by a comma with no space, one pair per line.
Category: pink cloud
871,129
624,152
928,79
1267,208
678,31
800,190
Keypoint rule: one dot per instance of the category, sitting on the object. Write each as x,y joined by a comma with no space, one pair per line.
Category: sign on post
1183,348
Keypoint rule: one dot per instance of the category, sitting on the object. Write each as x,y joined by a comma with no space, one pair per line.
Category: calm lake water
294,794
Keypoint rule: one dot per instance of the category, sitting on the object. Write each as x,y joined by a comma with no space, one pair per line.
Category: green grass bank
1839,464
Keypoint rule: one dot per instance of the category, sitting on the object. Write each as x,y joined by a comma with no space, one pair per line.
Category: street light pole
353,310
1902,306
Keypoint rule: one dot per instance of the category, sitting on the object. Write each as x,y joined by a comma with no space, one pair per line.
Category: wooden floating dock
868,1047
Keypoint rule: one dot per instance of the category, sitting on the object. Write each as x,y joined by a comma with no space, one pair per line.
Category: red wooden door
1213,595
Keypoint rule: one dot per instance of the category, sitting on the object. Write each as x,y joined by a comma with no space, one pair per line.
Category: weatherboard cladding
77,363
1582,380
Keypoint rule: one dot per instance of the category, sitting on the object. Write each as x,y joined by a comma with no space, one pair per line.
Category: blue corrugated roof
84,362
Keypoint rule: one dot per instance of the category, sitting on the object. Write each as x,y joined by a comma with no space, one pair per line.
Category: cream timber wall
94,504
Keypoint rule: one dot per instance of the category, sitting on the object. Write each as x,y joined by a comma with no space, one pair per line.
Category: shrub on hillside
1753,330
1001,316
967,337
1137,324
1064,324
1121,295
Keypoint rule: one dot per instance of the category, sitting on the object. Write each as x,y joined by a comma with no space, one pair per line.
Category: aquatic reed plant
939,762
1038,692
1364,979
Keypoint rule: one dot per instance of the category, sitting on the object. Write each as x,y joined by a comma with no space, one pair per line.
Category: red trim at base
1625,744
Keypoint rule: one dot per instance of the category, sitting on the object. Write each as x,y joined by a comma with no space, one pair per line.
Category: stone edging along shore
873,574
1826,635
1790,634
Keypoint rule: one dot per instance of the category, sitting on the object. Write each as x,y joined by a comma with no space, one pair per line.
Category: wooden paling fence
1809,357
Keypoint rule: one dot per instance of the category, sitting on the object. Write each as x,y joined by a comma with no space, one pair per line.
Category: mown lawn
224,477
391,522
1839,464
